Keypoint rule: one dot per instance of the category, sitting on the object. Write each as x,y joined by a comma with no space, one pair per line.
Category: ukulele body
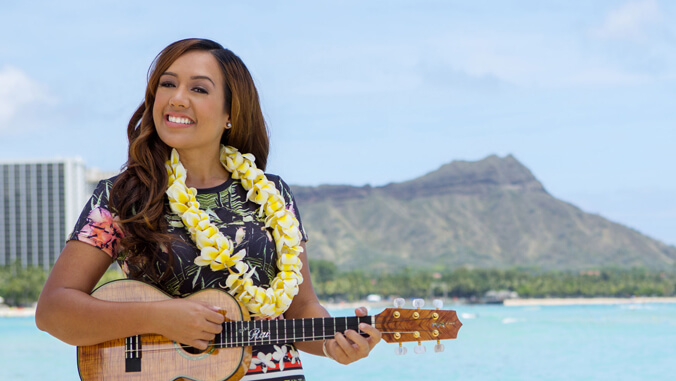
159,358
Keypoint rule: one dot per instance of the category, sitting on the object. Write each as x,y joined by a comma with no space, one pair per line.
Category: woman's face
189,109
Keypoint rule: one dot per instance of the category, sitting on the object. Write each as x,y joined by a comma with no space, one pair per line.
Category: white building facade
40,202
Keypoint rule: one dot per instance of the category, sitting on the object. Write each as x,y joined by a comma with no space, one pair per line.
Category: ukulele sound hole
193,350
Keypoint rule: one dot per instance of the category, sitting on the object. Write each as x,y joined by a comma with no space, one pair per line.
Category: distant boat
498,297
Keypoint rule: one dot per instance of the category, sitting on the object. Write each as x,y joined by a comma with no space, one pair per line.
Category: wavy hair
138,193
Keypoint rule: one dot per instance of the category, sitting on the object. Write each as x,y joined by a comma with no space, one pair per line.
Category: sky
372,92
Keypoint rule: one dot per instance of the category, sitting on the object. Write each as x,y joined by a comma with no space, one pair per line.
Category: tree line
21,286
331,283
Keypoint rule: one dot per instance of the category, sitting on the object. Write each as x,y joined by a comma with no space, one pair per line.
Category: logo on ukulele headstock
442,324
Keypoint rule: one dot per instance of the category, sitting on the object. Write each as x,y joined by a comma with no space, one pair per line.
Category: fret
285,329
233,333
324,328
268,332
240,332
237,333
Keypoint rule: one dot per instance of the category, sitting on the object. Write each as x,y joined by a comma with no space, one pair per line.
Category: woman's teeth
176,119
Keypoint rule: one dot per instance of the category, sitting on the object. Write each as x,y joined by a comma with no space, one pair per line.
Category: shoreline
16,311
587,301
514,302
8,312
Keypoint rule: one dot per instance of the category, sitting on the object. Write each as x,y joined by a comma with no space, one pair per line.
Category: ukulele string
229,342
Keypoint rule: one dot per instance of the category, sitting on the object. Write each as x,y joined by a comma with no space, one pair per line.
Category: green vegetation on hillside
21,286
330,283
491,214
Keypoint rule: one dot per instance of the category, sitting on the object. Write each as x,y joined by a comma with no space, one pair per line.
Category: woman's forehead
196,64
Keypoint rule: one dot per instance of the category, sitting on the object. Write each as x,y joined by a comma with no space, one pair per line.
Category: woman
245,235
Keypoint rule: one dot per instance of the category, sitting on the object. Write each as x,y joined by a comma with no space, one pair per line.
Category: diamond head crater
491,214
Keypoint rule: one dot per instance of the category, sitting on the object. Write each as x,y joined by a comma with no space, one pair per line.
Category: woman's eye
200,90
166,84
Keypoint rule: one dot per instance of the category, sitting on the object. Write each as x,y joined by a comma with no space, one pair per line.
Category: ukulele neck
262,332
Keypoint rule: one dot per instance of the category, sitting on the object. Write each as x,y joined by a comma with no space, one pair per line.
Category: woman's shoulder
272,177
104,185
279,182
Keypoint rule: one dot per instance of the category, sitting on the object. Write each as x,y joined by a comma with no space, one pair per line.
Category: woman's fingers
192,323
351,346
374,334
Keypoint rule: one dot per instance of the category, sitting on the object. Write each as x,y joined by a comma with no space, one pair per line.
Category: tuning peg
419,349
438,348
399,302
400,350
438,304
418,303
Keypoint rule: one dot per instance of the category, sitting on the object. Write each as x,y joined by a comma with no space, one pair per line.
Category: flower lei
216,249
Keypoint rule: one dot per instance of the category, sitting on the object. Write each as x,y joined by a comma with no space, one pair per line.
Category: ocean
593,342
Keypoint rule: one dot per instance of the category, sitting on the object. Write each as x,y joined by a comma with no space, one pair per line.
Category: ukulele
154,357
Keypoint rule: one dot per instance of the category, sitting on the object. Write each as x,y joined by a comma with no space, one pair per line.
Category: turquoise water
630,342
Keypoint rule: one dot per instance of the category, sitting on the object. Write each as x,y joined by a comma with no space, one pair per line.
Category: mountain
491,213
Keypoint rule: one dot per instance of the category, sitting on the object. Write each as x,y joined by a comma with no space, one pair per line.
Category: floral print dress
237,218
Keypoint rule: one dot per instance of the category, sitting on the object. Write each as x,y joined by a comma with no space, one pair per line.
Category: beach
586,301
6,311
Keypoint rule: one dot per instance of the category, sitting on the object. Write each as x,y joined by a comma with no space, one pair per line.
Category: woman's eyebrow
193,77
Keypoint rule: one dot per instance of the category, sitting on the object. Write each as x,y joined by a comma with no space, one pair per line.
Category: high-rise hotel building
40,202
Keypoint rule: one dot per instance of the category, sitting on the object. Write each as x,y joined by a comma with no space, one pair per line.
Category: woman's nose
179,99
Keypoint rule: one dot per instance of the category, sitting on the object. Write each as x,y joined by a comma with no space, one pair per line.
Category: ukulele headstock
400,325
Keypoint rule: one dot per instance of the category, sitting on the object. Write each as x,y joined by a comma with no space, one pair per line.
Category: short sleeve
291,205
97,225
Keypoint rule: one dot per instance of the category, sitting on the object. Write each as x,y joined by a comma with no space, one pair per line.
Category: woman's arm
67,311
346,347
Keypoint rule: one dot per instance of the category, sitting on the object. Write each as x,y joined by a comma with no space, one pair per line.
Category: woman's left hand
350,346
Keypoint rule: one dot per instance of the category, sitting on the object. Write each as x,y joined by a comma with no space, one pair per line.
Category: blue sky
372,92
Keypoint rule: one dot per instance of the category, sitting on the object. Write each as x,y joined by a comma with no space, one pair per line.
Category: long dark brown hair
138,193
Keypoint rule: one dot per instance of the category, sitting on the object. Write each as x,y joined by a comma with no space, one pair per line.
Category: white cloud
19,92
630,20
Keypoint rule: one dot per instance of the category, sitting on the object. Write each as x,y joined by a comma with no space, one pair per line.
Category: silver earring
228,125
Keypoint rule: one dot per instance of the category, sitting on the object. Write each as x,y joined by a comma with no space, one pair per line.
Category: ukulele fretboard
261,332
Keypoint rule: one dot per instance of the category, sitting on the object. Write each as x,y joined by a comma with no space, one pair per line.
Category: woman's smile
174,120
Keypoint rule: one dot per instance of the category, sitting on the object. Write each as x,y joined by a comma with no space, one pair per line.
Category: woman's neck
204,169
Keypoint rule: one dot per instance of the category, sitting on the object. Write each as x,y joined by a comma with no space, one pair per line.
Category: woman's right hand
68,312
188,322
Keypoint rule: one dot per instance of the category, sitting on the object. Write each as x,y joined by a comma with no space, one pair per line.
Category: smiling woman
188,97
192,210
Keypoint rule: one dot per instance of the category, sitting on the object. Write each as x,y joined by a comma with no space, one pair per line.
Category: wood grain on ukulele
154,357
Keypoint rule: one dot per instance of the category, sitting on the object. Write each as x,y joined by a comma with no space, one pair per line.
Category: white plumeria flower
280,353
216,249
264,359
294,354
